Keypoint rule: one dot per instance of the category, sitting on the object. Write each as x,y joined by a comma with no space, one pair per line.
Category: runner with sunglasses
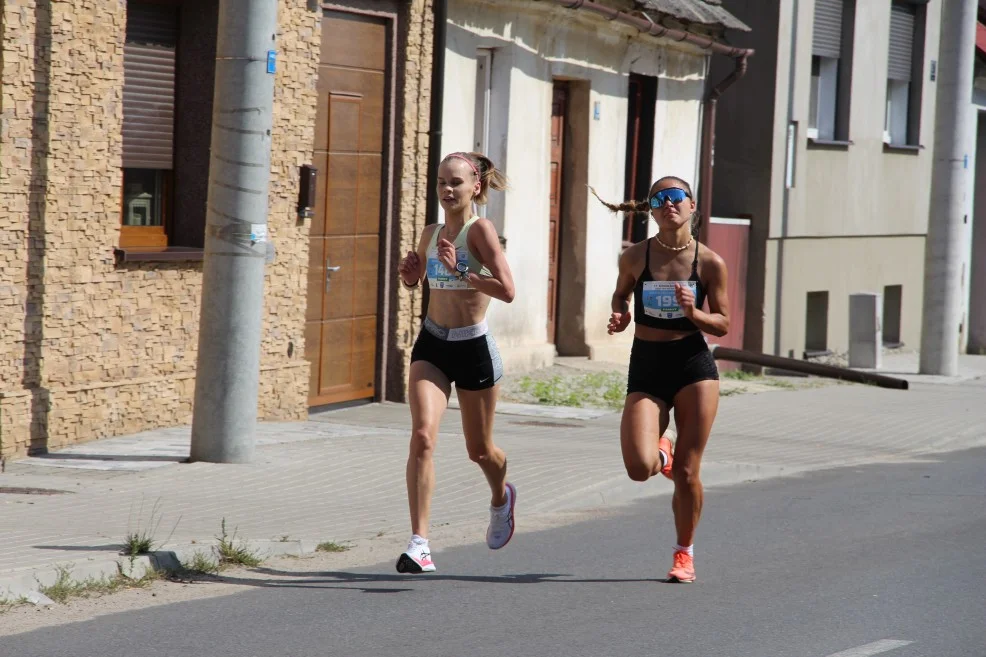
670,277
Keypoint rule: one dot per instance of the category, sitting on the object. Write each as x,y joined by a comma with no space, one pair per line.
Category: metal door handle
328,276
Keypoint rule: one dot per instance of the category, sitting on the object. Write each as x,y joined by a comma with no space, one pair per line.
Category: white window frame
825,96
895,121
484,89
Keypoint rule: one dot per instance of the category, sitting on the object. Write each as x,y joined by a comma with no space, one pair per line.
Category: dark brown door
341,323
559,103
641,99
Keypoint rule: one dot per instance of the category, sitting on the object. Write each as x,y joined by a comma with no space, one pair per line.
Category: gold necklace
673,248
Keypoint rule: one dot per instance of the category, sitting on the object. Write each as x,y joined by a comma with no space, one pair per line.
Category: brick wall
89,348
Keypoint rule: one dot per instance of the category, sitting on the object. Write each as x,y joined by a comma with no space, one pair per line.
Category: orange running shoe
684,568
666,445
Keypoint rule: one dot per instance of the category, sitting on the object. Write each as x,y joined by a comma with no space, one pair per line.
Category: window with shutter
904,59
148,122
831,70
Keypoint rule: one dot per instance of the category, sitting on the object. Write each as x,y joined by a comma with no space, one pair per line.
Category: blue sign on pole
271,61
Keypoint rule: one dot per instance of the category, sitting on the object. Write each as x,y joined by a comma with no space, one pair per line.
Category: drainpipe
709,143
440,12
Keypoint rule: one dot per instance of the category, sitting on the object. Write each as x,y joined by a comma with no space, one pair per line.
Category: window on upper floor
169,54
905,65
831,70
148,123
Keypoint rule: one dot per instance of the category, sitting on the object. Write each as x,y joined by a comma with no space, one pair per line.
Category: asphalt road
878,560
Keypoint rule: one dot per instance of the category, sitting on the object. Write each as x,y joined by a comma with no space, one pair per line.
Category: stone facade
89,347
415,49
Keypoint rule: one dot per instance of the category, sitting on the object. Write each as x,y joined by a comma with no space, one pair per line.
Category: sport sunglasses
674,194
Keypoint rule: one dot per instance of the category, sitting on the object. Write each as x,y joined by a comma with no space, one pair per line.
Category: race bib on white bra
439,277
660,301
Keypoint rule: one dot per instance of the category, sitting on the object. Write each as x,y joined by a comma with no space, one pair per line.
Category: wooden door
641,99
343,279
559,103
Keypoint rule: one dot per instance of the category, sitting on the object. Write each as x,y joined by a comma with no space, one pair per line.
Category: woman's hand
618,322
446,255
410,268
686,299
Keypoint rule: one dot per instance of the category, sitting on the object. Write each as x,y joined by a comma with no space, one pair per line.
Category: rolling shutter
901,42
826,40
149,86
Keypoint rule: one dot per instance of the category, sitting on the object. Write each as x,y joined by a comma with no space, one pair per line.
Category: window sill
902,148
158,254
829,144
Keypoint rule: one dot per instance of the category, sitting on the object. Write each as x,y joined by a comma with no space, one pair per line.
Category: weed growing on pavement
65,588
329,546
141,541
6,604
743,375
201,563
231,554
594,389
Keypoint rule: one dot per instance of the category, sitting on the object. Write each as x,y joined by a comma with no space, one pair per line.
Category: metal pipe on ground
803,367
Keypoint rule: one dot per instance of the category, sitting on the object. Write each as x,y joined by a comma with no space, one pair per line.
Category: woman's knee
685,473
637,471
480,453
423,441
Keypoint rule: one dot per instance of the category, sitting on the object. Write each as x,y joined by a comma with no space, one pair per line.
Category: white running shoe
416,559
501,528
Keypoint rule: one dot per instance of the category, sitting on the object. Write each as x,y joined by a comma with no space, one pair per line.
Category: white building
560,99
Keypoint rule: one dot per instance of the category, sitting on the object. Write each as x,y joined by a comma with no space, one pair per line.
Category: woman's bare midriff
651,334
457,308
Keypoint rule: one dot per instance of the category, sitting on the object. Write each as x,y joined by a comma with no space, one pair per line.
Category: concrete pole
225,413
945,250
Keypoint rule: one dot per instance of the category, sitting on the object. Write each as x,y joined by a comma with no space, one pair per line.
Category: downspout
709,144
439,31
440,11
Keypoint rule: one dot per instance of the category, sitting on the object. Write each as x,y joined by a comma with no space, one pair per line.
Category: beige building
105,123
828,152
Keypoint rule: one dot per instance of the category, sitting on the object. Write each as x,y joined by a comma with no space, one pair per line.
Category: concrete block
866,330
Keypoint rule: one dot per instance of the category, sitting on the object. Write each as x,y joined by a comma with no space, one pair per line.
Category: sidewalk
340,476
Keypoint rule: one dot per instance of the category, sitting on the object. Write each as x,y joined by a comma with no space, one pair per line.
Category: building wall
808,267
90,348
855,192
534,45
842,199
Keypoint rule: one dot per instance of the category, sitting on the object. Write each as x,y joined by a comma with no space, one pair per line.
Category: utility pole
944,251
224,419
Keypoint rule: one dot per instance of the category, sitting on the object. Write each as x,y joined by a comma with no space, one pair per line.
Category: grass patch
232,554
593,389
742,375
8,604
141,541
201,563
329,546
65,588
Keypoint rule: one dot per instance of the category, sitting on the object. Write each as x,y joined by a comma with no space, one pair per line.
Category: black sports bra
654,302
